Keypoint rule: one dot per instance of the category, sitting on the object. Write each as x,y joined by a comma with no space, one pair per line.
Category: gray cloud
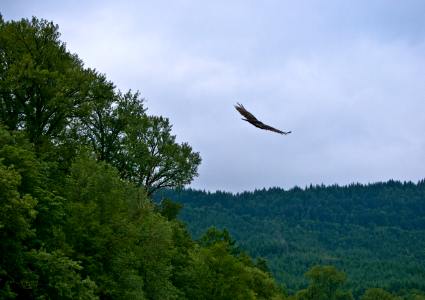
345,76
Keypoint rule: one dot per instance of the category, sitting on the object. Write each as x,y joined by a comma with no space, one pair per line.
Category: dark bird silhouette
253,120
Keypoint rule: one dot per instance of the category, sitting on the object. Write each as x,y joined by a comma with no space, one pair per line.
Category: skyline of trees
81,162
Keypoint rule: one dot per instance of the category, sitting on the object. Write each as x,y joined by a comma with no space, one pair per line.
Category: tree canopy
42,85
80,163
374,232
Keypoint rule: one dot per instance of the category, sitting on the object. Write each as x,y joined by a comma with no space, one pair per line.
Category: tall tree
326,284
106,126
141,147
42,85
153,159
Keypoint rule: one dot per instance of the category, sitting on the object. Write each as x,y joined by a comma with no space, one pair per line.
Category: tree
106,127
326,284
58,278
262,265
152,158
229,278
16,205
46,91
42,85
141,147
99,227
92,233
264,286
168,209
377,294
28,215
213,236
246,259
16,215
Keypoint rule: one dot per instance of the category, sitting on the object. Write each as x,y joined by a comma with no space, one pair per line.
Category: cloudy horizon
346,77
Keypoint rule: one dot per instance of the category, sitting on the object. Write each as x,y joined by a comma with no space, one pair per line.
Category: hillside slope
374,232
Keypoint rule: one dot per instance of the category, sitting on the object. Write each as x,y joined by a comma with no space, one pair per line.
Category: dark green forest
374,232
88,208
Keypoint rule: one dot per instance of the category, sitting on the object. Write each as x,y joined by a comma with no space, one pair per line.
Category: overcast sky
346,77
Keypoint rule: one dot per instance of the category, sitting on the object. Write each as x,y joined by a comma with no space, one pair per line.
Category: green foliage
18,170
377,294
264,286
154,160
77,162
141,147
246,259
156,248
326,284
16,211
213,236
262,265
16,216
42,85
80,218
105,128
373,232
55,276
168,209
183,261
228,278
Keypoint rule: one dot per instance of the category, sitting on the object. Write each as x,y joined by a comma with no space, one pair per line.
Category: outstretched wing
267,127
245,113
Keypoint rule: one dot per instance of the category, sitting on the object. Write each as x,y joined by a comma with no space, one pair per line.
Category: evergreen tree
262,265
213,236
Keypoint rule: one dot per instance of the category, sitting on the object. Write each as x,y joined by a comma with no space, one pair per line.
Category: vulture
253,120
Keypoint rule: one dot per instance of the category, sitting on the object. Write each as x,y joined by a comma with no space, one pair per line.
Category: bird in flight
253,120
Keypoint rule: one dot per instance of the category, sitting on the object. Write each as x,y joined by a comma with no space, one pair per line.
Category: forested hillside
82,215
374,232
79,164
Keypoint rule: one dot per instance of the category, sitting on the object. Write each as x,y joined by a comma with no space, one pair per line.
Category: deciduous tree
326,284
42,85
